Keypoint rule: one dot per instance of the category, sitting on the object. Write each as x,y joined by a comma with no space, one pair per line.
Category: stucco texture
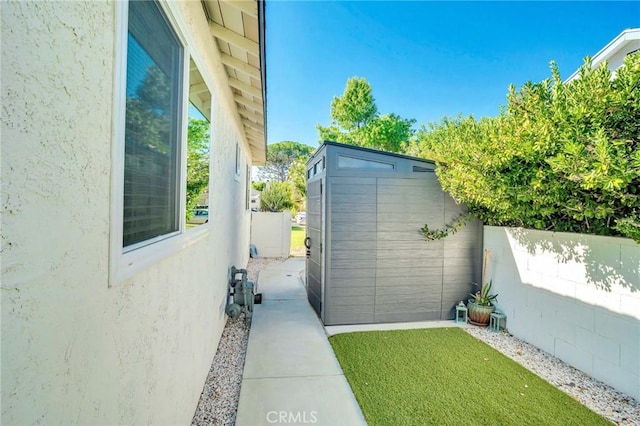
74,349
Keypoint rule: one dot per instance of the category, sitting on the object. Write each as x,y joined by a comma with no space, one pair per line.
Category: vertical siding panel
379,266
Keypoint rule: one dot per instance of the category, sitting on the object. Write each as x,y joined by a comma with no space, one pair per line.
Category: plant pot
479,315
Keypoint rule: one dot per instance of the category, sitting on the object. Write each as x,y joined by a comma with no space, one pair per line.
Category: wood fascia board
234,38
256,140
241,85
256,132
248,103
248,7
251,115
198,88
255,144
239,65
255,126
253,133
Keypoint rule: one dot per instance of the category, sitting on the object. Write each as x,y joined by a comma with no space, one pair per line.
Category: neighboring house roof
239,30
615,51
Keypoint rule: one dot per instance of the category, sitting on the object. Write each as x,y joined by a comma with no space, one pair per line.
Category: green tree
148,118
561,156
356,107
298,177
355,121
276,197
258,186
280,156
197,162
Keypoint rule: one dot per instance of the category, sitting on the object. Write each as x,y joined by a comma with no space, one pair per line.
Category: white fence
574,296
271,233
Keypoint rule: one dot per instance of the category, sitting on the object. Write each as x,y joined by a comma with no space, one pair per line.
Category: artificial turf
447,377
297,240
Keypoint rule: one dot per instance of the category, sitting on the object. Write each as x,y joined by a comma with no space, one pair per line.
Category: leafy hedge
561,156
276,197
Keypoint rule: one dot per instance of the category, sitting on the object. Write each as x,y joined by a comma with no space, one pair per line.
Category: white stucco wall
74,349
574,296
271,233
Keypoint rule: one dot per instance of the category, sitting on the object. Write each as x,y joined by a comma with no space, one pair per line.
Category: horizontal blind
153,121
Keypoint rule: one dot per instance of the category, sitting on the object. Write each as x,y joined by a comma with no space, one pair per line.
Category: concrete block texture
271,233
625,382
571,354
575,296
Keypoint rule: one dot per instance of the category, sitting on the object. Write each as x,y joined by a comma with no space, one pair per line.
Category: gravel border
219,400
218,403
599,397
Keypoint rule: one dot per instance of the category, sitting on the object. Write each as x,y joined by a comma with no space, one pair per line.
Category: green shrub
258,186
276,197
561,156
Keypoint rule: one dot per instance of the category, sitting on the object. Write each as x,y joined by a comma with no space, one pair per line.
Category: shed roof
369,150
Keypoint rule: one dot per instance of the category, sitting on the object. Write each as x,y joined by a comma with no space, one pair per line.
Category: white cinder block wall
271,233
574,296
74,349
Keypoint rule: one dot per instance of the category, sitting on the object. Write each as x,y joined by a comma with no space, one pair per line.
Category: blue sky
424,60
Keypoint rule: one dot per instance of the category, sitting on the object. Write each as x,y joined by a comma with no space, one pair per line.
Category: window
237,176
198,150
248,189
346,162
153,127
157,88
198,156
420,169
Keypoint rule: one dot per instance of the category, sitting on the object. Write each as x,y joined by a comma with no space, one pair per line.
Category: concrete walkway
291,375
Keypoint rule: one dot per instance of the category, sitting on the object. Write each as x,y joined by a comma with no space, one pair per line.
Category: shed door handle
307,242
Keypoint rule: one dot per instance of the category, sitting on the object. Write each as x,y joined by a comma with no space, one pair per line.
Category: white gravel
219,400
601,398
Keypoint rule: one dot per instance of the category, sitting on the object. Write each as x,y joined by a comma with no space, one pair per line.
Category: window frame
248,188
364,161
186,146
238,162
124,262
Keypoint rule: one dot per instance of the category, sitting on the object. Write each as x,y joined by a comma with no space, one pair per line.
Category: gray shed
367,261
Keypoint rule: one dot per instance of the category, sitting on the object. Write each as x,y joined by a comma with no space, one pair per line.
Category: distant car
200,215
301,218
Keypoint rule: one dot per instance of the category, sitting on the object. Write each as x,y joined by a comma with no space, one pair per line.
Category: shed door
313,243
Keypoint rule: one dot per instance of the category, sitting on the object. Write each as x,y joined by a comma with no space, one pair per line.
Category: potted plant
481,306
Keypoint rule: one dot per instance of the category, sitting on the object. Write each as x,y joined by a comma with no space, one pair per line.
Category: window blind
153,123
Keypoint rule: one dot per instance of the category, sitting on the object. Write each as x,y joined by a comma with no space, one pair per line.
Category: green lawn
447,377
297,240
